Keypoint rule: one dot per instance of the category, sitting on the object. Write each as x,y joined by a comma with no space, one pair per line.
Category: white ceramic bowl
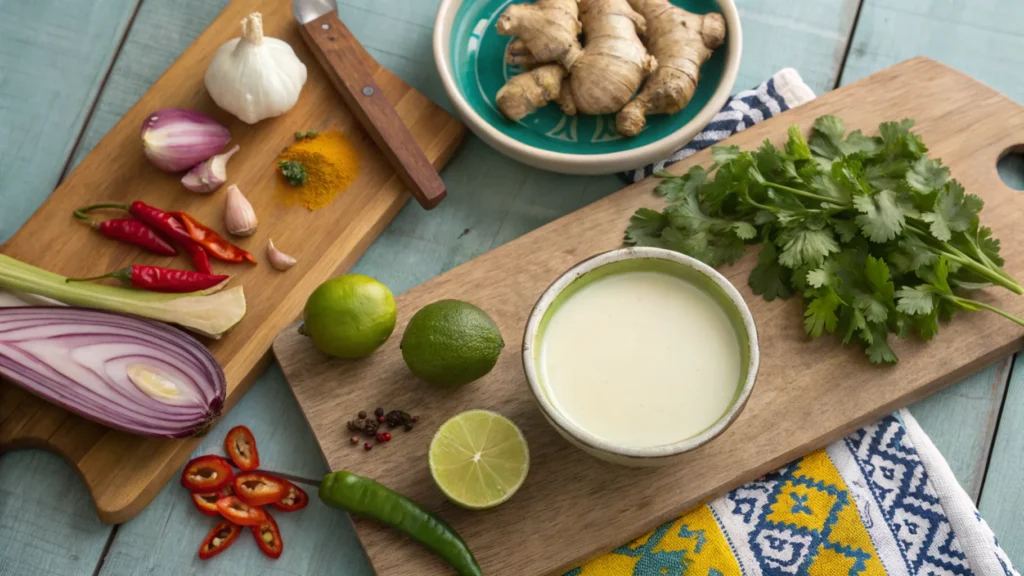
569,157
732,303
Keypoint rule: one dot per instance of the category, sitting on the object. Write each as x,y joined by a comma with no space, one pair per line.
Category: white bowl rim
587,163
591,440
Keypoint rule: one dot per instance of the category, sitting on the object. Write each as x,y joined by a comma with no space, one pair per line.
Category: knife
335,49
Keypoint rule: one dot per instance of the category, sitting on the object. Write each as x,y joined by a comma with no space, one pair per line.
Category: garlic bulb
239,217
254,77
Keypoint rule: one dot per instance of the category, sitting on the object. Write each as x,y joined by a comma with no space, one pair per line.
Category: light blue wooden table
70,68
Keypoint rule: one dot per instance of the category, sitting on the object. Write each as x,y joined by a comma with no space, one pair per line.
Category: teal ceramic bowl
469,54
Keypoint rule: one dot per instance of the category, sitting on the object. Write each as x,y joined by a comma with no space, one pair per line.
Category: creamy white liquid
640,359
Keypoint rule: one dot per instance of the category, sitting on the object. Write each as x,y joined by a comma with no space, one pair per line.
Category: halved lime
479,459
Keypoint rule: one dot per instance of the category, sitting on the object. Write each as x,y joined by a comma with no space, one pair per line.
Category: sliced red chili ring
240,445
206,502
239,512
259,488
207,473
268,537
295,498
218,540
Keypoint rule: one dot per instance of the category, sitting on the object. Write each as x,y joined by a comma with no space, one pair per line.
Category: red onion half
176,139
125,372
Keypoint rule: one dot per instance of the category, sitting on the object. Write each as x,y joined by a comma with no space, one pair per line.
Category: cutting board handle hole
1011,167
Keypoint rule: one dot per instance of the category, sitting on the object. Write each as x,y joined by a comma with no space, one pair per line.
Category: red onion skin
176,139
175,345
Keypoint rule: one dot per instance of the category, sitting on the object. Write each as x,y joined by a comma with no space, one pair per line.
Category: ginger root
614,62
526,92
547,31
682,42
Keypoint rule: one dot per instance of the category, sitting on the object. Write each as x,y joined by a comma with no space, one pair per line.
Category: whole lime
450,343
349,316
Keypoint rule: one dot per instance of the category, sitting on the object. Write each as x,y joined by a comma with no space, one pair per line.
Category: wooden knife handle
334,47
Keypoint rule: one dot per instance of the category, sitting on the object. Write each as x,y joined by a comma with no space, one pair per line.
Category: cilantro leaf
796,146
725,154
820,315
878,349
802,246
954,211
827,137
927,175
881,218
645,227
915,300
768,278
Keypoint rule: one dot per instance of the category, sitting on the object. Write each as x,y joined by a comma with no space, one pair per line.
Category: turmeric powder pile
331,163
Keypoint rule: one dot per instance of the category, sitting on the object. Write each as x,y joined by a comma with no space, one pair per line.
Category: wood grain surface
124,472
807,394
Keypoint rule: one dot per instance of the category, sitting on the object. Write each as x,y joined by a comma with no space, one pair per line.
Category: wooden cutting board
807,394
124,472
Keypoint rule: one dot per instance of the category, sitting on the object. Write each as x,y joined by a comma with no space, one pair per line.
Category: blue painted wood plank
53,58
1002,496
48,526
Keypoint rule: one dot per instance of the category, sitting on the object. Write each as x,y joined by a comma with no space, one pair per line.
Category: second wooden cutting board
573,506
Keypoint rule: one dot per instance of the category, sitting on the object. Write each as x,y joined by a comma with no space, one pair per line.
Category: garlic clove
209,175
239,217
175,139
278,259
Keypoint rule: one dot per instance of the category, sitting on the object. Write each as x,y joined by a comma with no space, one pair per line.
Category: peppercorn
362,413
397,418
380,419
383,437
354,440
378,412
415,418
408,426
364,425
367,446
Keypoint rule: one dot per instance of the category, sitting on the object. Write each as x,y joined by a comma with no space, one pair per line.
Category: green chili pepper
365,497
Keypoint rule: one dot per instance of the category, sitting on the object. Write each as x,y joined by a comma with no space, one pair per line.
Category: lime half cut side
479,459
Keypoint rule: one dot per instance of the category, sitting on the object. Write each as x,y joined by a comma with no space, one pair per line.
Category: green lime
451,343
479,459
349,316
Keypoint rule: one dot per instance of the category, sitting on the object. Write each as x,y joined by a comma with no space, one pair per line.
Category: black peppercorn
397,418
364,425
378,412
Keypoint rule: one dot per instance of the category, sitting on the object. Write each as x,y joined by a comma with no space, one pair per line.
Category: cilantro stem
809,195
968,303
988,270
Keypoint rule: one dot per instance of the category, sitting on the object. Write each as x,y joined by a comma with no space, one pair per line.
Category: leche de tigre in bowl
587,86
640,355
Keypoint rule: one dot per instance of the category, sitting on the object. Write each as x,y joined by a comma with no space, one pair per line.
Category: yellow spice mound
331,162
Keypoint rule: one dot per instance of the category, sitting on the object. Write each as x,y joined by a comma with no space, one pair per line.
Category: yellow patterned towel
881,501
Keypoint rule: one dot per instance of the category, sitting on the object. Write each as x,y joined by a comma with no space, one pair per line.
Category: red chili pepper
268,537
259,488
163,222
240,445
218,540
232,508
131,231
207,474
206,502
157,279
295,498
208,238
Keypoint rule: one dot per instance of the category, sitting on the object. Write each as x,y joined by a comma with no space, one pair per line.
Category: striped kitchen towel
880,501
785,90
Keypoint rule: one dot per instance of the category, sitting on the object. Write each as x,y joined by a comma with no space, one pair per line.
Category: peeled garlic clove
278,259
175,139
239,217
209,175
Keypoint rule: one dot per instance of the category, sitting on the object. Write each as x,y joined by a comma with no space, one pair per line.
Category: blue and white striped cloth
784,90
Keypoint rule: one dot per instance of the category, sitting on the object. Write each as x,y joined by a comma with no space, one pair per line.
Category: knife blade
334,47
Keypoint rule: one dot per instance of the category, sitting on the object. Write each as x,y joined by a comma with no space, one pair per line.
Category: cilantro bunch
874,234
